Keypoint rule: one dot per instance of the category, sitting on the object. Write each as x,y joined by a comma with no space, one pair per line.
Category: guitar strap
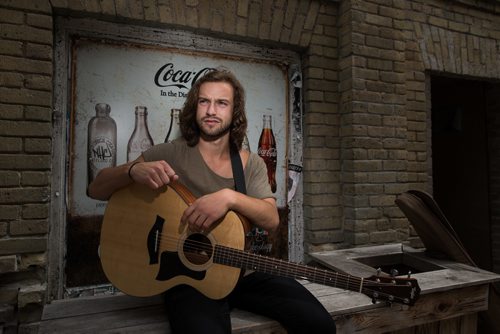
255,239
238,175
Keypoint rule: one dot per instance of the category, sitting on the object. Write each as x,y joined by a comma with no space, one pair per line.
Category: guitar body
145,250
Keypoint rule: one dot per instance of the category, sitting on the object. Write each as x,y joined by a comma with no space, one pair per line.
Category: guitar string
254,259
325,276
303,271
244,257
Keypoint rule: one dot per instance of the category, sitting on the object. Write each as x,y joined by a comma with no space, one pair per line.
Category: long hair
187,118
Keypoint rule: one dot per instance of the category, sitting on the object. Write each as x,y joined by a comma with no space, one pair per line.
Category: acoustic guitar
146,250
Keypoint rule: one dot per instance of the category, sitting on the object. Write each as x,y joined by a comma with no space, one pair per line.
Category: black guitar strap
238,175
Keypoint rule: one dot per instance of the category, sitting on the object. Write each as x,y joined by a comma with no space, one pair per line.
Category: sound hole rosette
196,250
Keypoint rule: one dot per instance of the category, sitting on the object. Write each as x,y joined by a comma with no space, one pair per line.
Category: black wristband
130,168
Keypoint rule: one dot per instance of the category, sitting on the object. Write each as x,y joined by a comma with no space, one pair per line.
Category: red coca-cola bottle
267,150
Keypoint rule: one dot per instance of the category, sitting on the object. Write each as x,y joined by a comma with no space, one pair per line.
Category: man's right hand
154,174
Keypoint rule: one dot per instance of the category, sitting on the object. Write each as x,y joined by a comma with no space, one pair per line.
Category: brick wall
322,212
387,50
373,121
25,149
366,104
459,38
26,93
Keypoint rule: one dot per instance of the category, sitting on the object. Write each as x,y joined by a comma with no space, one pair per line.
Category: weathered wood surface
459,325
96,305
125,314
447,275
431,308
353,312
452,293
450,299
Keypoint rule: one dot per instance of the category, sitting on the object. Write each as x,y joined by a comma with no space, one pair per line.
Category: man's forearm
261,212
108,180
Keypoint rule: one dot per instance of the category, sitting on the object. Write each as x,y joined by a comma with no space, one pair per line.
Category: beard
215,132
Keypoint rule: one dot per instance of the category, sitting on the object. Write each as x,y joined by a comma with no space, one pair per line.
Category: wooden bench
451,298
125,314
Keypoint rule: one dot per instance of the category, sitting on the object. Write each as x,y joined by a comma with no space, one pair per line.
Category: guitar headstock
391,289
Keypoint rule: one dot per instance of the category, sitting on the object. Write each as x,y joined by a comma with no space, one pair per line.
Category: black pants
281,299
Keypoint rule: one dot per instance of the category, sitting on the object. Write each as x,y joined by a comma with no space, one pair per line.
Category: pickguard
171,266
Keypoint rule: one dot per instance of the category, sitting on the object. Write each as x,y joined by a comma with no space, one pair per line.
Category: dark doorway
460,161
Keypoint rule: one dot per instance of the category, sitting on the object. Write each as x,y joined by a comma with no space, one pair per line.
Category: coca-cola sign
168,76
124,78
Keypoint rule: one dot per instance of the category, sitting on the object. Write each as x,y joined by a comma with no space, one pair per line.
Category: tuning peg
394,272
379,270
409,273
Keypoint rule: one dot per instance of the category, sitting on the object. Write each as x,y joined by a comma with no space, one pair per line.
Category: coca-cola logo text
169,76
271,152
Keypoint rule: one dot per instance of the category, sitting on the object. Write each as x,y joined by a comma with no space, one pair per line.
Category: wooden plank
322,290
148,320
458,276
468,324
246,322
429,328
274,330
450,326
116,320
452,275
155,328
343,264
429,308
410,330
92,305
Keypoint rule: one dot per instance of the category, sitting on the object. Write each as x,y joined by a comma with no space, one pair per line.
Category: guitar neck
241,259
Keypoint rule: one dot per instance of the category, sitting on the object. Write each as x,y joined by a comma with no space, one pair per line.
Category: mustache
211,118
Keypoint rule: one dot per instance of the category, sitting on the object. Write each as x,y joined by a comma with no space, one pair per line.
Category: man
213,119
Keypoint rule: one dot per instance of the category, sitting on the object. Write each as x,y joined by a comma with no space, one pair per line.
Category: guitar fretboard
241,259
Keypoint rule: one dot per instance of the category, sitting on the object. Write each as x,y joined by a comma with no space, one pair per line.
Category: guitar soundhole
197,249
